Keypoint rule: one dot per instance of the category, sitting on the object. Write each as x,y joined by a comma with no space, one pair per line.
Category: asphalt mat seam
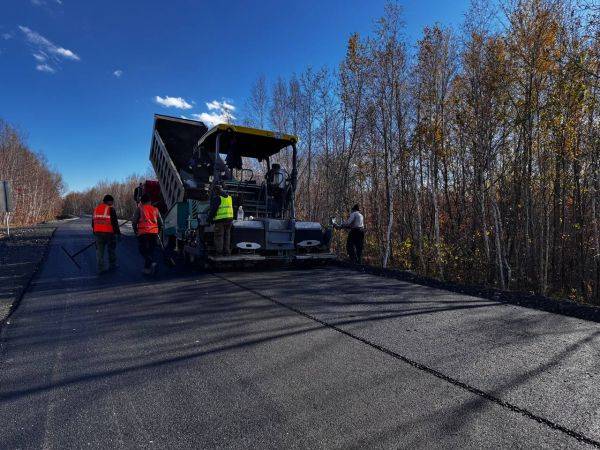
419,366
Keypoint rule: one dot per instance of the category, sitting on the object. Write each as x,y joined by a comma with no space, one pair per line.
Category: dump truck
258,168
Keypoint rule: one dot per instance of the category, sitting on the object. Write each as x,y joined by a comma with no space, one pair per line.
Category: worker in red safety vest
106,229
146,224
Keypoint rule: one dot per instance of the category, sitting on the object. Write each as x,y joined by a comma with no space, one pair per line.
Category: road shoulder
21,256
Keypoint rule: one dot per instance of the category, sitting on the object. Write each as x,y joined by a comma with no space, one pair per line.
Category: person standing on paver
146,224
105,226
356,234
221,214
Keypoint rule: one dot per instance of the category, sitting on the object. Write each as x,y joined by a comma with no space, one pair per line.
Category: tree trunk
497,233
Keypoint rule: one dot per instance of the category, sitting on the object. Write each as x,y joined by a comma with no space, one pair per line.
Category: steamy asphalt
323,357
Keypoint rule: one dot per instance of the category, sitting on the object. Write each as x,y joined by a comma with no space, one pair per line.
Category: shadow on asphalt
153,319
124,325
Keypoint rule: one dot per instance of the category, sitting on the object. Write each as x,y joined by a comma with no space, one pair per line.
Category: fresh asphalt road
323,358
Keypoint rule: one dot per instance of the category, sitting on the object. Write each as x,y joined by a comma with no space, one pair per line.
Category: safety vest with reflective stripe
148,223
102,223
225,211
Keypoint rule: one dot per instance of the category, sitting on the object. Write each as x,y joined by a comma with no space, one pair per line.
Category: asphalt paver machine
258,168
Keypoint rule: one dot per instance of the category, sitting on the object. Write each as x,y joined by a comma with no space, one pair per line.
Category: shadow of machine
258,168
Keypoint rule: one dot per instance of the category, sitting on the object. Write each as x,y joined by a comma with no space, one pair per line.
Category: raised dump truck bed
173,142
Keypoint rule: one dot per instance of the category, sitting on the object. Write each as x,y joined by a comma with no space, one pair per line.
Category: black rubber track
486,395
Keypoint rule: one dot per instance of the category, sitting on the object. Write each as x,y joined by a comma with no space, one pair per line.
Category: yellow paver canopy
245,141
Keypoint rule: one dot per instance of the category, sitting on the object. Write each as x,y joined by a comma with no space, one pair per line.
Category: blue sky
81,78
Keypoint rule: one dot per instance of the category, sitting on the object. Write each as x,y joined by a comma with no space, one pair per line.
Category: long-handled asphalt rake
72,256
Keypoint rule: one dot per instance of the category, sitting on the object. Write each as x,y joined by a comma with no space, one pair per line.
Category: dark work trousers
223,237
354,244
106,241
147,244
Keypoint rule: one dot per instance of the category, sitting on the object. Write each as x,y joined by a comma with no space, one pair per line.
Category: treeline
476,157
80,203
36,189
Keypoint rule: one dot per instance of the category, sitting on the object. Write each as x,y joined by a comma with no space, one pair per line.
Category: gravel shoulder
21,255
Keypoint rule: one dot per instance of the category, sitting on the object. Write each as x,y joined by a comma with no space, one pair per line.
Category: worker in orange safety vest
146,224
106,229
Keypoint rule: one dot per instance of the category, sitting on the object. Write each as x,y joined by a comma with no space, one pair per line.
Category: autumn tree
36,189
478,160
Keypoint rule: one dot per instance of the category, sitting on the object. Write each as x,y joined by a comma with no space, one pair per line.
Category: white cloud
35,38
219,112
213,105
45,68
7,36
44,2
211,119
216,105
172,102
46,50
117,73
66,53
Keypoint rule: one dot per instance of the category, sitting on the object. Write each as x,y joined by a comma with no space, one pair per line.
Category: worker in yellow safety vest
221,215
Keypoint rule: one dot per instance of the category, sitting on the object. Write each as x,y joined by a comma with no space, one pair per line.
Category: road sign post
6,203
